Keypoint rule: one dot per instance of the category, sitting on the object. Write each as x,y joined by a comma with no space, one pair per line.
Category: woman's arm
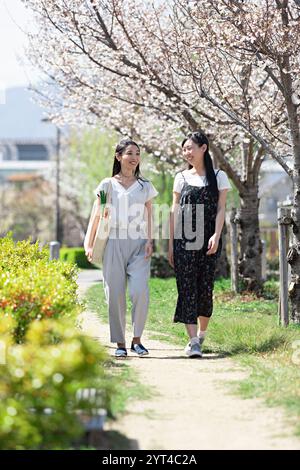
176,198
220,218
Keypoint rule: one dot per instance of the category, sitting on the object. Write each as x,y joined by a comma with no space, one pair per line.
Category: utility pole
58,227
57,217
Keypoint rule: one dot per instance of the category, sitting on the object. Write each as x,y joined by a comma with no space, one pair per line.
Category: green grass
274,378
128,387
244,327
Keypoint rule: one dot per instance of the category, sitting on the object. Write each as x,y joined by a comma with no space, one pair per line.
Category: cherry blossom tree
248,66
155,70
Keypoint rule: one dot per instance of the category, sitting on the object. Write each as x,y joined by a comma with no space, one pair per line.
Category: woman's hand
213,244
148,249
171,256
89,253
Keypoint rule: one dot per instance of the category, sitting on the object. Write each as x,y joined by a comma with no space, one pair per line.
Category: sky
15,20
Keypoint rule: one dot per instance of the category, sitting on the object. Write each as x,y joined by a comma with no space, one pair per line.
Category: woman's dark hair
120,149
199,138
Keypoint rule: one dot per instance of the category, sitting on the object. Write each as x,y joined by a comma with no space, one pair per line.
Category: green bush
32,287
273,263
76,256
271,290
160,266
20,255
39,386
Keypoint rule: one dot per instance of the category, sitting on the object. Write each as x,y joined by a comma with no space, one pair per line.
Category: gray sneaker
193,350
187,349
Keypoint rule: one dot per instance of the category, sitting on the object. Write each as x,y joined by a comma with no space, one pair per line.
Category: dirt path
191,406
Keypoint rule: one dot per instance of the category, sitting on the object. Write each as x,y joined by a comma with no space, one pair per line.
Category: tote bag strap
108,202
109,192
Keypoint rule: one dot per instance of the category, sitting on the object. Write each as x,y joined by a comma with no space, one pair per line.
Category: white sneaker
187,349
193,350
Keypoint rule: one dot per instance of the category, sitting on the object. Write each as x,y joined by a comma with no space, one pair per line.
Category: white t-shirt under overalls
199,181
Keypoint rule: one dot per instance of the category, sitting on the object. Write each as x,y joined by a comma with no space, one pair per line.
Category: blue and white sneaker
139,349
193,350
121,352
201,341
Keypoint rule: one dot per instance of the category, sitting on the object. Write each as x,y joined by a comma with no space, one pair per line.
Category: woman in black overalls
195,264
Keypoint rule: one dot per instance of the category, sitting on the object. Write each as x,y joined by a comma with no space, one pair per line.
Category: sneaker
193,350
139,349
120,352
187,349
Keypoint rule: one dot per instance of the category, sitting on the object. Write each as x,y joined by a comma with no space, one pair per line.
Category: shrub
160,266
32,287
273,263
20,255
38,404
76,256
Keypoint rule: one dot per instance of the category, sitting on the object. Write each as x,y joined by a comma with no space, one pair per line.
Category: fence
285,239
270,236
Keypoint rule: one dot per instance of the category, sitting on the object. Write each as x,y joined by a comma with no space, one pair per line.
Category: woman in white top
199,197
129,247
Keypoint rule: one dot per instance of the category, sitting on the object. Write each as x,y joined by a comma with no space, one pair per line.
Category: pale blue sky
14,18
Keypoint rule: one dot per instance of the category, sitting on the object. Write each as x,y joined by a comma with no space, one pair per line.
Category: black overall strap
216,179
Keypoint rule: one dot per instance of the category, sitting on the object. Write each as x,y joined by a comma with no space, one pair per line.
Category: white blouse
128,204
200,181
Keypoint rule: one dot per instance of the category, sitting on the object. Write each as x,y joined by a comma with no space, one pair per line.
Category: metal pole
57,185
57,219
283,218
54,250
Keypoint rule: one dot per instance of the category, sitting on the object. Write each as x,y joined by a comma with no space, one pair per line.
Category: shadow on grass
269,344
266,345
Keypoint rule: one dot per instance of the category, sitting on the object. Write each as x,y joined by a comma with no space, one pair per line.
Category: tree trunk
222,268
249,240
294,125
294,252
249,236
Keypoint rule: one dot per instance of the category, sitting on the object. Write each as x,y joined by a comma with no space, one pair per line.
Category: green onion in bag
103,201
103,197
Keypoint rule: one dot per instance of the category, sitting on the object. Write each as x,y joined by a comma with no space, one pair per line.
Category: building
27,145
274,186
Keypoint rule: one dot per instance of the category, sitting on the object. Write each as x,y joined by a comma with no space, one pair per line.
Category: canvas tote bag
102,229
